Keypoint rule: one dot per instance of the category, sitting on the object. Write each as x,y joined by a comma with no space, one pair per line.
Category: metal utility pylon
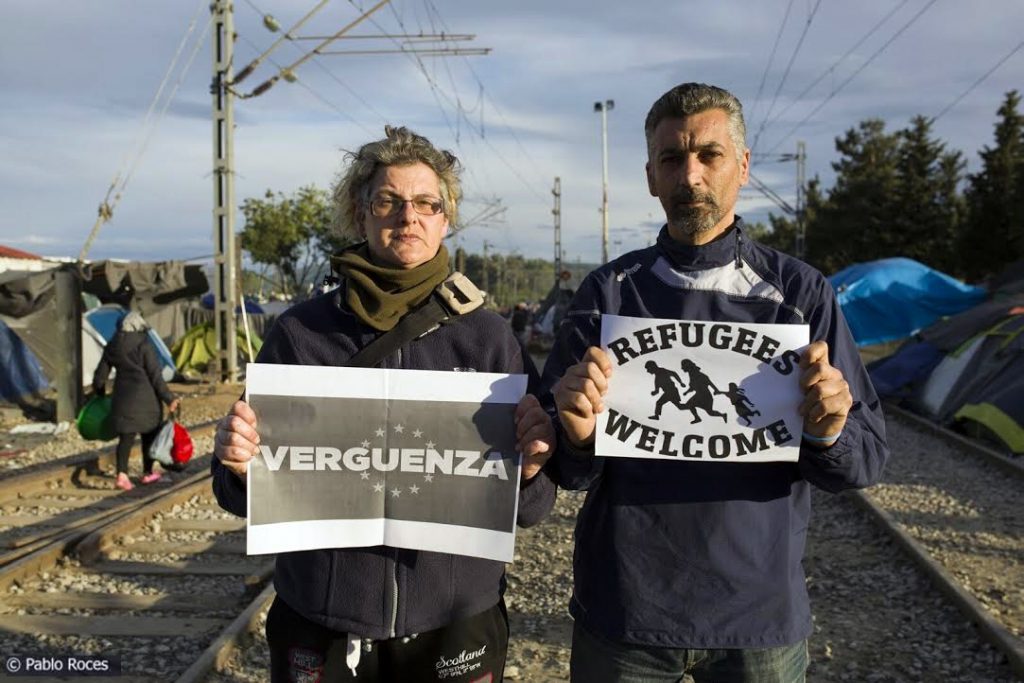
225,276
801,200
557,212
603,108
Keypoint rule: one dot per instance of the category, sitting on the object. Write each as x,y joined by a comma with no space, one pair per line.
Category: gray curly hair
687,99
399,147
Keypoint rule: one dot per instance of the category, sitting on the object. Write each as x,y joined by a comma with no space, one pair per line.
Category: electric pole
557,212
604,108
801,199
485,278
225,273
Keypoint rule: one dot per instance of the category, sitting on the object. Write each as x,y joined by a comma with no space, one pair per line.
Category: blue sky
79,77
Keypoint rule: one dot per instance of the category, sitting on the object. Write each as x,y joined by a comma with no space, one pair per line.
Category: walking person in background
520,322
385,613
692,570
139,394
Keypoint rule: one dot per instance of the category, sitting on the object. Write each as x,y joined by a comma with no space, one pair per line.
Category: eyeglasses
384,205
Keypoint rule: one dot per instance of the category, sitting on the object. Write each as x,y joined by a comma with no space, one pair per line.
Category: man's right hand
579,396
237,441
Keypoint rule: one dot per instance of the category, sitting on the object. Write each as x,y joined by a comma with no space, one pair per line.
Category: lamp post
604,108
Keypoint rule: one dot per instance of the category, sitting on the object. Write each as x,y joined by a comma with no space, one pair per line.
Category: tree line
904,193
900,193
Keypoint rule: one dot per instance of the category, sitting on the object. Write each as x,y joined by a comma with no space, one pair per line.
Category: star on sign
377,488
396,492
399,429
418,433
364,475
380,432
414,489
428,477
365,443
430,444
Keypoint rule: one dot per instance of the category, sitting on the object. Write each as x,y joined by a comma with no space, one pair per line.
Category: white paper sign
700,391
364,457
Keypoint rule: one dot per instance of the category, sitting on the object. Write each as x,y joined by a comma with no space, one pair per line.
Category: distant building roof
11,252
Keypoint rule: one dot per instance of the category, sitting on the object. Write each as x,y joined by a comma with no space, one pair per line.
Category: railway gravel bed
18,452
877,617
965,511
193,607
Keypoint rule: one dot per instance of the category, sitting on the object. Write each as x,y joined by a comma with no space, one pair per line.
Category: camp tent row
965,369
31,350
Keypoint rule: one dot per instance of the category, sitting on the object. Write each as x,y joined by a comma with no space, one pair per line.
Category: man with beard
692,570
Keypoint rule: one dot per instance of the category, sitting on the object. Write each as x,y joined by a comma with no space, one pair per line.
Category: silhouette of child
744,407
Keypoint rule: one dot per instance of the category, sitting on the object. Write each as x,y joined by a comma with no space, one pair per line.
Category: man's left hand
535,435
827,399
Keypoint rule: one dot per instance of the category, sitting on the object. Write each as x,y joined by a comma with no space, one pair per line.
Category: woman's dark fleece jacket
381,592
139,388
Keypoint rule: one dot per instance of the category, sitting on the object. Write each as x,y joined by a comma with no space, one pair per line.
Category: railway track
954,506
156,577
881,614
175,565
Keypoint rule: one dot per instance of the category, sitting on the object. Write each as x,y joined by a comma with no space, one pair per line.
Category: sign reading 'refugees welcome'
701,391
363,457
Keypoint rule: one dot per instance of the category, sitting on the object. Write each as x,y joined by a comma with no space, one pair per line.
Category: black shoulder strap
454,296
412,325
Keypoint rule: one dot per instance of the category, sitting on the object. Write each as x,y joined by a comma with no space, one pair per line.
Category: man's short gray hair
687,99
399,147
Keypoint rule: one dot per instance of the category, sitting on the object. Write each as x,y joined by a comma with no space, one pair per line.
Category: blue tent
105,319
250,304
20,372
894,297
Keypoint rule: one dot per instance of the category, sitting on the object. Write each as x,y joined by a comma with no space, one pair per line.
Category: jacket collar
719,252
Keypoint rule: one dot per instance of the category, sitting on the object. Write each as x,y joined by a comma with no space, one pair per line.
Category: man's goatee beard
693,221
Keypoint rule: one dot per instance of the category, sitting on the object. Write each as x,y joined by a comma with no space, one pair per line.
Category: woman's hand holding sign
827,398
535,435
579,396
237,441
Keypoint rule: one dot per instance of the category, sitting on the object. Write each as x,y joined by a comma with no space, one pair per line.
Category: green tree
855,222
780,233
994,236
292,234
927,217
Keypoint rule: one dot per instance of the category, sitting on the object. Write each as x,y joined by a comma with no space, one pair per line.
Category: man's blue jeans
597,660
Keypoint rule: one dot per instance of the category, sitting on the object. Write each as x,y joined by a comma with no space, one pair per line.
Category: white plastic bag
160,450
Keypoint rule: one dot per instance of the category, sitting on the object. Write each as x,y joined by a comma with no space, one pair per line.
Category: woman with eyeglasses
382,613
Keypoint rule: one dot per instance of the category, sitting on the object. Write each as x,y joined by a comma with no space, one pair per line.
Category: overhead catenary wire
287,35
351,91
832,67
846,82
288,72
789,66
120,181
497,110
515,171
438,94
771,57
312,91
978,82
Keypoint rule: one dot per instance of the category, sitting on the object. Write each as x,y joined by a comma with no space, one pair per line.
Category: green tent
194,351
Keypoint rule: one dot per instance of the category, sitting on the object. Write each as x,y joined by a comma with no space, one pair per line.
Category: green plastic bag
94,420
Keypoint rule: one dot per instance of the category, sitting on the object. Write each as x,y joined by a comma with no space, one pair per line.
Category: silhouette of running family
668,384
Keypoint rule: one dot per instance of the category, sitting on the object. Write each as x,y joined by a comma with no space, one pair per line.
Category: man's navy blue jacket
380,592
700,554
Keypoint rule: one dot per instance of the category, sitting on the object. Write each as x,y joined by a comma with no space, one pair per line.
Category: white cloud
78,78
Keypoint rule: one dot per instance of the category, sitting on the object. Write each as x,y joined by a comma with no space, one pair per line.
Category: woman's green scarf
380,295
